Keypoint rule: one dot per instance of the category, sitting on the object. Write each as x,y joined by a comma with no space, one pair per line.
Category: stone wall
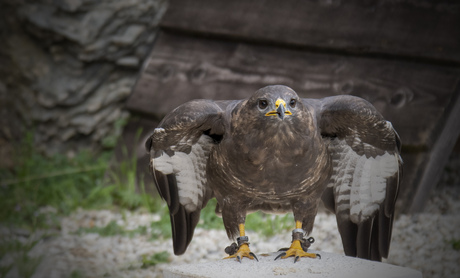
66,67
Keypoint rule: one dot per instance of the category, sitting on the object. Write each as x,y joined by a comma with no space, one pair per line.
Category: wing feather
179,149
367,170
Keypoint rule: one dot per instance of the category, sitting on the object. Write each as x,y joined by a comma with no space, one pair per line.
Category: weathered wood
449,132
415,29
411,95
405,60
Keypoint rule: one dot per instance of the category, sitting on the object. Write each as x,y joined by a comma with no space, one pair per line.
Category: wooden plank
449,133
416,29
411,95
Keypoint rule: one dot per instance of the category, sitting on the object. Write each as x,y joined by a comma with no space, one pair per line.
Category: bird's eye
292,103
263,103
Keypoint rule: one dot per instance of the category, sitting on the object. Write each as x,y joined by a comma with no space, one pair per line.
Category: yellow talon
297,251
243,251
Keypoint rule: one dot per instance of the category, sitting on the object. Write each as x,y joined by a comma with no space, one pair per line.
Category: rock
330,265
131,61
129,36
92,24
97,45
93,77
76,62
69,5
44,17
86,123
66,134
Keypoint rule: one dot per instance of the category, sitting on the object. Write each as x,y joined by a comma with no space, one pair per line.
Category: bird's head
277,102
272,112
273,122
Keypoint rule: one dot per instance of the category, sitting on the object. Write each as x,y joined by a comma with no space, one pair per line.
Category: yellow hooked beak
280,109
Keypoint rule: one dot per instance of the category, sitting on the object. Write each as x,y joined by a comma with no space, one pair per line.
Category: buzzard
277,153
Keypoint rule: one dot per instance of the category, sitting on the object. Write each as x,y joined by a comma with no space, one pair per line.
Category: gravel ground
423,242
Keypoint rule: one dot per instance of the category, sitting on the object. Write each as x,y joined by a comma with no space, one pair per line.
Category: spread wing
367,171
179,148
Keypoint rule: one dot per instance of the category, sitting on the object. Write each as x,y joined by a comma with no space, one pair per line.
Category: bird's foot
243,250
298,247
297,252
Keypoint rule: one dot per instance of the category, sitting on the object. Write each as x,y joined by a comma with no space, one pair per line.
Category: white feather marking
389,125
343,197
343,207
356,140
190,172
360,182
163,164
187,184
369,184
346,167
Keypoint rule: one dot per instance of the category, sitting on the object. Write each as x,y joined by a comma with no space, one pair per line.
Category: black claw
254,255
283,249
238,258
318,255
296,259
282,254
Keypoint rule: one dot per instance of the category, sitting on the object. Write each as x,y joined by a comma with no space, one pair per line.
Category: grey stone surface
329,266
128,62
129,36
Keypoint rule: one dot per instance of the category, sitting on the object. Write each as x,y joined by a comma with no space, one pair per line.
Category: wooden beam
412,96
426,30
437,159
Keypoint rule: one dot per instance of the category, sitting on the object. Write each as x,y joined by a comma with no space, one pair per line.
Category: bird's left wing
179,148
367,170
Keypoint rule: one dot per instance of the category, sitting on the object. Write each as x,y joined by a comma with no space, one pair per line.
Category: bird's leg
299,245
243,247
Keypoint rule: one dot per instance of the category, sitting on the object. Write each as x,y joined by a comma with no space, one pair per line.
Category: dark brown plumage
276,152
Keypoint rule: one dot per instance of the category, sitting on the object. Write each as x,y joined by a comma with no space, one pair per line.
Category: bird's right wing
367,171
179,148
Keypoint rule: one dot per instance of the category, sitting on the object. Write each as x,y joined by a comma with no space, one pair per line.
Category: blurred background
83,83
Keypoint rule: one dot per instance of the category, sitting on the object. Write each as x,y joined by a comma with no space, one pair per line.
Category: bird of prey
278,153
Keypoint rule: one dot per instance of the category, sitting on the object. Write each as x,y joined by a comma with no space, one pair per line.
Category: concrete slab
330,266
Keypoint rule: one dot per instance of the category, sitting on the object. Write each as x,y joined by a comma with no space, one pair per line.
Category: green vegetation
18,252
64,184
161,229
75,274
57,182
112,229
259,222
455,244
268,224
208,217
40,190
154,259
